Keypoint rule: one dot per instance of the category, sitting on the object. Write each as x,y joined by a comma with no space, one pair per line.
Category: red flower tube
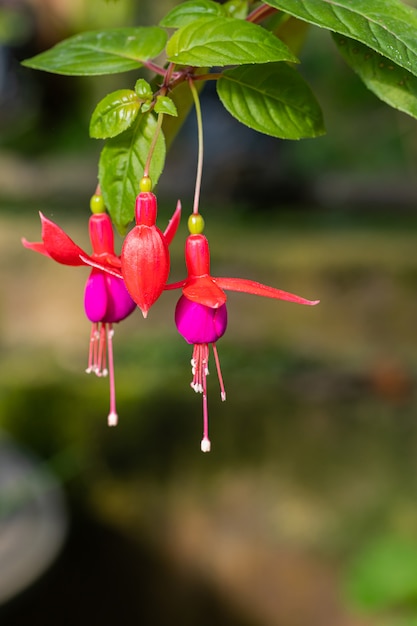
145,255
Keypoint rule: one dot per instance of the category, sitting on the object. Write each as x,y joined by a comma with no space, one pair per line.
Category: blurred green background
304,513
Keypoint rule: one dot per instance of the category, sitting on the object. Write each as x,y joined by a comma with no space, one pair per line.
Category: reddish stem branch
153,67
261,13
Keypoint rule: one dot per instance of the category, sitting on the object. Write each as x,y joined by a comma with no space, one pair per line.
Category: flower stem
153,144
196,99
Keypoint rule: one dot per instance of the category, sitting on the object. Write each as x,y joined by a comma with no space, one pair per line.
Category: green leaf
165,105
121,166
390,82
387,26
101,52
143,89
114,114
272,99
225,41
236,8
188,12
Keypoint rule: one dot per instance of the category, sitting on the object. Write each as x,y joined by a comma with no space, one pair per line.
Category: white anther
112,419
205,445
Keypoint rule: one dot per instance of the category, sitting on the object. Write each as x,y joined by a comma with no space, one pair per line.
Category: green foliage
273,99
101,52
390,82
165,105
121,166
187,12
144,90
248,51
387,26
225,41
236,8
114,114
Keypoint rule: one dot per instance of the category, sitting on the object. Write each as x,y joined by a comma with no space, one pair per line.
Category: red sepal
173,224
204,290
257,289
58,245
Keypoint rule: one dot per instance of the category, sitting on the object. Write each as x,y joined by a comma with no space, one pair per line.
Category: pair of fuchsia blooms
117,284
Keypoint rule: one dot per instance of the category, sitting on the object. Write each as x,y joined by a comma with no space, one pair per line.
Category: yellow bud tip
97,204
196,224
145,184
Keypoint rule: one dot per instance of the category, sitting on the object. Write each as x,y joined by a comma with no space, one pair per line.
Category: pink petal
95,297
198,323
106,299
257,289
120,304
58,245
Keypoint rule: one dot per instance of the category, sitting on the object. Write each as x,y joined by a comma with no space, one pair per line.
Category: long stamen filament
91,349
219,373
205,442
112,418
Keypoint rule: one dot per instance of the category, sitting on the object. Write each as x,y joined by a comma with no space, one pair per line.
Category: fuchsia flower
106,299
145,255
201,315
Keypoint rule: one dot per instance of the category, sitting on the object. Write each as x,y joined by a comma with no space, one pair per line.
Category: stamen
91,366
199,368
205,442
96,349
112,417
101,369
219,373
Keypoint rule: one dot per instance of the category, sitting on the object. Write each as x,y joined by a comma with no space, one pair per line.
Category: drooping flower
145,254
201,315
106,299
201,325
